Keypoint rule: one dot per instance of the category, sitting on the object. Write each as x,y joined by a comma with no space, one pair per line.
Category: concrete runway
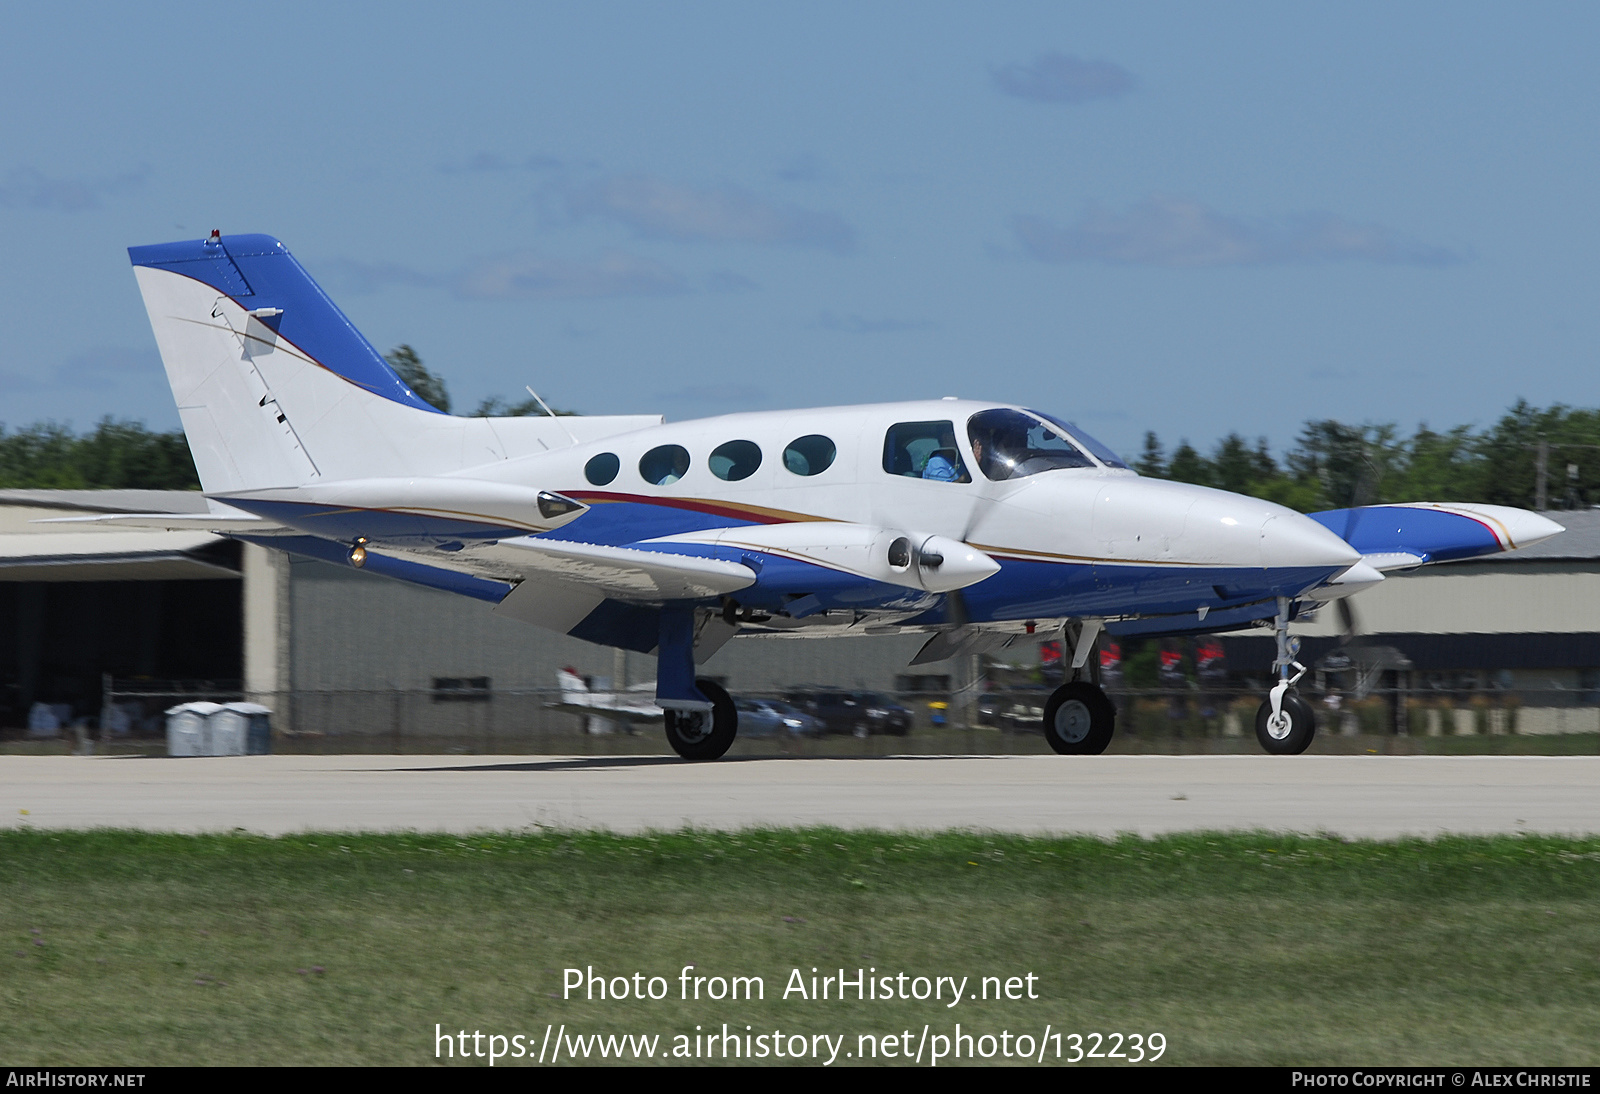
1373,796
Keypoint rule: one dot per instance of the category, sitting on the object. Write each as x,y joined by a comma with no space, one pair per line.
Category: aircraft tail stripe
258,272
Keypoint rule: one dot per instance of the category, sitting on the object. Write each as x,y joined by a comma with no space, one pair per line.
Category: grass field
125,948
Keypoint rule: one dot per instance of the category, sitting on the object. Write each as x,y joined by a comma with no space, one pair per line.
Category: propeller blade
955,608
1347,620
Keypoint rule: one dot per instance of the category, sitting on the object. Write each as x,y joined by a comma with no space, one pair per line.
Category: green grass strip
127,948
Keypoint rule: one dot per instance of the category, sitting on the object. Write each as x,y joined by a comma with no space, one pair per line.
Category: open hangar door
138,606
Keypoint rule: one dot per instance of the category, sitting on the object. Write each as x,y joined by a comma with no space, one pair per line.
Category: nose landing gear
1285,724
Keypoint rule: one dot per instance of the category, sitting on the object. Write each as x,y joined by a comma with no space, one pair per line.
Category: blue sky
1187,218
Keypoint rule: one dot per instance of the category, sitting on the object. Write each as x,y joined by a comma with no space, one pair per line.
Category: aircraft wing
222,519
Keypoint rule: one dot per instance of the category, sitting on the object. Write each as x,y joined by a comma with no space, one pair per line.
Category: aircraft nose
1291,541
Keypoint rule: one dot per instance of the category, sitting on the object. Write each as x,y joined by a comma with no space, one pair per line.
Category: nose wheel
1285,724
1288,730
1079,720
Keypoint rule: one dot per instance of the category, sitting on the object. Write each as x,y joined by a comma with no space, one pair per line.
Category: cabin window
602,469
809,455
924,450
735,460
664,464
1008,444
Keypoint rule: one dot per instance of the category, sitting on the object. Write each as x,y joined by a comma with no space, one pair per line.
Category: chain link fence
478,720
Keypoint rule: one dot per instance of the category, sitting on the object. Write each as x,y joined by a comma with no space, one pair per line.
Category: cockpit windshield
1098,450
1010,444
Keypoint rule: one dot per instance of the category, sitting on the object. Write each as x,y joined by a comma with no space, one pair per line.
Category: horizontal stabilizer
222,524
375,508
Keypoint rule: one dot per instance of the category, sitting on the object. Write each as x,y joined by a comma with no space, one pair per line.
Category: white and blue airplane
971,522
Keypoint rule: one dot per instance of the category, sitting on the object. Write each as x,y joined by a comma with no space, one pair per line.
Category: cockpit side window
1009,444
924,450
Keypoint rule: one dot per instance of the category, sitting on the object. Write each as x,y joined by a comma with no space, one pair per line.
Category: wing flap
626,573
1388,561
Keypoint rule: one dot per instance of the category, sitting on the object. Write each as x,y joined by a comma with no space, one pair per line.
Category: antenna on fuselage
550,412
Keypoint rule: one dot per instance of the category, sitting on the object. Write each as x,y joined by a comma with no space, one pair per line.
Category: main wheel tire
1079,720
698,735
1293,730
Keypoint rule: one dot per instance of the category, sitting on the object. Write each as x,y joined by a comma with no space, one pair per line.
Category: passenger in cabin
942,466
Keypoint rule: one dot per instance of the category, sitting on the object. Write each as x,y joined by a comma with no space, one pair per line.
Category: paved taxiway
1376,796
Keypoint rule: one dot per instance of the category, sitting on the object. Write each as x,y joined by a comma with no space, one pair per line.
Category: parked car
859,713
772,717
1016,711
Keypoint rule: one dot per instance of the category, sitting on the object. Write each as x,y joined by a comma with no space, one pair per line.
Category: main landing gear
704,734
1285,724
701,719
1079,719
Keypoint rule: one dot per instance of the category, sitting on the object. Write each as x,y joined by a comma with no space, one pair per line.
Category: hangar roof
35,551
109,501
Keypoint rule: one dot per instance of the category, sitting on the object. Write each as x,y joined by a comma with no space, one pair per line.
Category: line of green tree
1333,464
115,455
430,387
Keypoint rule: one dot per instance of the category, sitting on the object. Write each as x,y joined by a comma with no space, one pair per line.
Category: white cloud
1062,78
495,163
655,209
858,324
1172,231
529,275
519,275
28,188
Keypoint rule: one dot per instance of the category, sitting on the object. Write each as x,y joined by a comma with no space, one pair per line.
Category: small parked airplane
600,706
971,522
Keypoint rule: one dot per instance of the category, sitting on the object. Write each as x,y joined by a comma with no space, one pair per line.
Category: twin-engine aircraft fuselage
969,521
